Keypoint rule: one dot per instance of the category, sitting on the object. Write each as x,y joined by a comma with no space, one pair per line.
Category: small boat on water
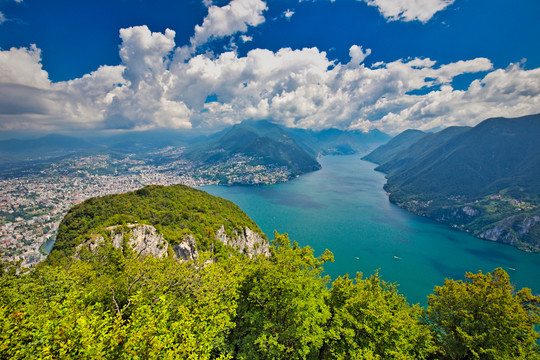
397,257
511,268
357,258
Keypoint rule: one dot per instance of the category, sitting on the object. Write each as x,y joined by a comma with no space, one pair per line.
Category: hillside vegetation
114,306
264,142
175,211
484,179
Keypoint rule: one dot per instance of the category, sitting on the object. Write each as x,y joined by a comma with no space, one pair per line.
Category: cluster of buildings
241,169
32,206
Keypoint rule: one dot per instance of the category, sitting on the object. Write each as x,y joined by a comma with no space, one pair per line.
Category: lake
344,208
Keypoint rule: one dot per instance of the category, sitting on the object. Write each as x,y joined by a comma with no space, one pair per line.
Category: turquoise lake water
344,208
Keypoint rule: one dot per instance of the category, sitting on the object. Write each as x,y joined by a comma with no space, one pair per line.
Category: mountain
420,149
497,154
263,142
484,179
397,144
48,146
142,142
154,219
337,142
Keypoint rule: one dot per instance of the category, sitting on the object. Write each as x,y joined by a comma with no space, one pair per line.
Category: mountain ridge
397,144
484,179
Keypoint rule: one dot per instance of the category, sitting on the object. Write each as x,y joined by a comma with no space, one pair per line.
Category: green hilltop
175,211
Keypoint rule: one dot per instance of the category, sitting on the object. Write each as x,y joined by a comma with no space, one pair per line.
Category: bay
344,208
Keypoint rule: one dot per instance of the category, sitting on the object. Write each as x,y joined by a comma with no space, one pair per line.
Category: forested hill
419,149
484,179
113,303
174,211
263,141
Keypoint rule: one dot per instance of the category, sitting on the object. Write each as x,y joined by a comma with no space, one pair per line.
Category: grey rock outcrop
509,230
145,240
247,242
470,211
499,234
187,249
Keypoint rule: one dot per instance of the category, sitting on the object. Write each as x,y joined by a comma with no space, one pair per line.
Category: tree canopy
281,307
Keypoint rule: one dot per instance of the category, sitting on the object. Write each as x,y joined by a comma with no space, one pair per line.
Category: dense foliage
175,211
484,318
121,307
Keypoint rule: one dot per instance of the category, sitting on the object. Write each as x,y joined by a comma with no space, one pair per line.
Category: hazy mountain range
262,141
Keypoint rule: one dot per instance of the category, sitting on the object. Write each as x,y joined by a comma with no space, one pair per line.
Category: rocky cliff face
520,230
511,230
145,240
247,242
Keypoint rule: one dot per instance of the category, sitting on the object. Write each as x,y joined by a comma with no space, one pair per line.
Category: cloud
144,53
288,14
151,88
246,38
228,20
358,55
22,66
3,17
409,10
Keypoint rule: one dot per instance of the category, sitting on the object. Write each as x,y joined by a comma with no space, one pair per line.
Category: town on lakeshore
32,204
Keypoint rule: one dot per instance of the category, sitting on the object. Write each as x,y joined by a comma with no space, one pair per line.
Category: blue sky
73,66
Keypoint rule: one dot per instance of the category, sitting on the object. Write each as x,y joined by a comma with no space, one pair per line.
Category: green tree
483,317
149,309
371,320
281,305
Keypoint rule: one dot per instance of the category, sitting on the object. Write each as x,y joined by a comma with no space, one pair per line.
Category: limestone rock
247,242
143,239
187,249
470,211
146,240
509,230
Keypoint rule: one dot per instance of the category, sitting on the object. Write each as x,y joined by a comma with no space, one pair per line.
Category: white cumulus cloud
358,55
228,20
409,10
246,38
22,66
151,88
